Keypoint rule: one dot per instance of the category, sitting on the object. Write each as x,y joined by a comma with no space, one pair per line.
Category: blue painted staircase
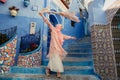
78,65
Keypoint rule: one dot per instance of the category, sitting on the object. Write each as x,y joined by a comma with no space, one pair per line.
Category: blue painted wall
25,16
77,30
24,11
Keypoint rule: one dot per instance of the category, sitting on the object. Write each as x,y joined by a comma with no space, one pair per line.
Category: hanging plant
13,11
26,3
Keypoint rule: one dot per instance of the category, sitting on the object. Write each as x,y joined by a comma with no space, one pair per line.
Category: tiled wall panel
103,52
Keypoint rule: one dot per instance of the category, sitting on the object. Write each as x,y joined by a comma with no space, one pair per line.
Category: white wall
108,3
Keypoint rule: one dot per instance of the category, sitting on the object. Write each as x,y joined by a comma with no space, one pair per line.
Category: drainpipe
45,34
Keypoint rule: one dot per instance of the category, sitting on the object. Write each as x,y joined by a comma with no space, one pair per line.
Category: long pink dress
56,52
57,39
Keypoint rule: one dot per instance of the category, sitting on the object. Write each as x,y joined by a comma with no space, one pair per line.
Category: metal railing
30,42
7,34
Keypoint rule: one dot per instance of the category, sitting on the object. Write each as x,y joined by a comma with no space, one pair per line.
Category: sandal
58,75
48,72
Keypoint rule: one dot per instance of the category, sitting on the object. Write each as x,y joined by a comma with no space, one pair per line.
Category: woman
56,52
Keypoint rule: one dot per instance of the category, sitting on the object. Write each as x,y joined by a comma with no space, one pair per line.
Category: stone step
84,41
77,59
83,50
79,55
44,77
65,67
77,47
41,70
72,63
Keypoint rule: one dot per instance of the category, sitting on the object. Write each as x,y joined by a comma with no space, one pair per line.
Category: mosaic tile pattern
31,60
103,53
7,55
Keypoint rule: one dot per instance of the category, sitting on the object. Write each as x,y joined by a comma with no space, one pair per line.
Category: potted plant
13,11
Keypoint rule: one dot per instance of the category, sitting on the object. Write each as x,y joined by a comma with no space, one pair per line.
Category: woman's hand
40,13
73,37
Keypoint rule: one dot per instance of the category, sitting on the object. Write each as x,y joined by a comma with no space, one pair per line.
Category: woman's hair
58,25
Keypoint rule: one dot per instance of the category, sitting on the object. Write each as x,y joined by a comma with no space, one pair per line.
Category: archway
54,19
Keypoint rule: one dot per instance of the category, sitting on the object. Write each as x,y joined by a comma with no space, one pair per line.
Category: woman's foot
58,75
48,72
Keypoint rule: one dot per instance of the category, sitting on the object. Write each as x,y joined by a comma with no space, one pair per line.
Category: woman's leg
47,71
58,75
55,64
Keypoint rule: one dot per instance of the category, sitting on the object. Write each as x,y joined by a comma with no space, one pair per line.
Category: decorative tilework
102,45
103,53
7,55
32,60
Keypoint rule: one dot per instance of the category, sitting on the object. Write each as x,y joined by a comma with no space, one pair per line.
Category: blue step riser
80,55
83,63
80,51
78,46
21,78
77,49
42,71
77,43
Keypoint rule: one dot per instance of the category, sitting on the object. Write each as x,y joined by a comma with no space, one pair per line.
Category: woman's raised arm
46,20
